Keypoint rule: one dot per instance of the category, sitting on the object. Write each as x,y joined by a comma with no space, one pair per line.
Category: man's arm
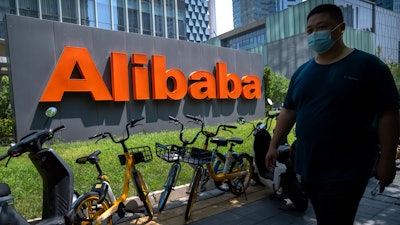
286,120
388,128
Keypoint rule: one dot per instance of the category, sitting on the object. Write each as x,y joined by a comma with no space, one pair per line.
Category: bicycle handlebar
195,119
174,119
130,124
274,115
185,142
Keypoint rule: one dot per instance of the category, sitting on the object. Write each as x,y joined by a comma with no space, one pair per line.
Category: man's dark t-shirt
336,111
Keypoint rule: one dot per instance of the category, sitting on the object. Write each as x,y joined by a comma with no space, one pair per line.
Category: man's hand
270,159
385,172
388,130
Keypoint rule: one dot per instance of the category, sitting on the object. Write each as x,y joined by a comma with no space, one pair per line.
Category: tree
395,69
276,86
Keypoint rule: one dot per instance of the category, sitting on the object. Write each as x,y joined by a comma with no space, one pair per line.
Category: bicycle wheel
239,185
87,209
193,191
219,168
169,184
143,193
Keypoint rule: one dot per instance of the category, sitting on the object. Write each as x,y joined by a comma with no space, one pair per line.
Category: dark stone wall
34,47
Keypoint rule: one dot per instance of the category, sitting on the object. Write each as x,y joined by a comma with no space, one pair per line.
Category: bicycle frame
220,176
224,176
129,168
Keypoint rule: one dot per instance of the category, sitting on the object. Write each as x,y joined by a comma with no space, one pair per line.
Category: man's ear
342,27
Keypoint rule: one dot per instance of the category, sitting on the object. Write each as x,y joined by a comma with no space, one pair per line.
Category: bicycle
100,203
173,154
237,168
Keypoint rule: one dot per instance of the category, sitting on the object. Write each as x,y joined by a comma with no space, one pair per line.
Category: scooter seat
267,175
283,153
4,189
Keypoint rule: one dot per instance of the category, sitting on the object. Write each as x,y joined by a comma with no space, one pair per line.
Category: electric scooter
283,180
57,176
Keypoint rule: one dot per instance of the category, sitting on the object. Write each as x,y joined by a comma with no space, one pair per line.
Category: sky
224,18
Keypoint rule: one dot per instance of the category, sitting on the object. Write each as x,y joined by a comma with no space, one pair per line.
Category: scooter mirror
51,112
269,101
241,120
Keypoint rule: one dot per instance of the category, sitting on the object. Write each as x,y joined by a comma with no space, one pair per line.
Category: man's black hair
334,11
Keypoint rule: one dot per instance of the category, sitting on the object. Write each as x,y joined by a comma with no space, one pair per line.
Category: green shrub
6,131
6,121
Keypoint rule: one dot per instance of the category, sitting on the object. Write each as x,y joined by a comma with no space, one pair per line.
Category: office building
281,37
248,11
177,19
393,5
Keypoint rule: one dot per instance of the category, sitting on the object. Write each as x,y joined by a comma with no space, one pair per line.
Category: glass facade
248,11
247,41
388,35
396,6
393,5
177,19
370,28
197,20
284,47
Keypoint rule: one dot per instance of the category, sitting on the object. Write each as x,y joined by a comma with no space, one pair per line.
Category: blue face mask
321,41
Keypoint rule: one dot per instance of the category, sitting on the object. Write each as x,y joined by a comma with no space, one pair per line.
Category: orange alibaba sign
203,84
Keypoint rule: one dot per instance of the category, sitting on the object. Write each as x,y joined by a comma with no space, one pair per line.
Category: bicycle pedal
121,210
135,211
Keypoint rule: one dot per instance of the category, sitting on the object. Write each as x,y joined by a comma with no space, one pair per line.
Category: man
344,104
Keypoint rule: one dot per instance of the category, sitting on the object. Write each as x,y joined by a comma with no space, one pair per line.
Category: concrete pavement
257,207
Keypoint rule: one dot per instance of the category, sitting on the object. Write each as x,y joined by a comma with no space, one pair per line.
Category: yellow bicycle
100,204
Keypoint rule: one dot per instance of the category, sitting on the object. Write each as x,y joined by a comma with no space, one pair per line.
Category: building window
146,16
49,9
118,15
133,16
181,20
87,13
69,11
28,8
171,25
159,17
104,14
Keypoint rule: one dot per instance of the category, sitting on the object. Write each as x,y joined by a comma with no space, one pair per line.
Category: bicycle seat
4,189
236,140
219,141
92,158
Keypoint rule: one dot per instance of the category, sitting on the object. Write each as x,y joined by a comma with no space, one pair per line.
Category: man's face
323,21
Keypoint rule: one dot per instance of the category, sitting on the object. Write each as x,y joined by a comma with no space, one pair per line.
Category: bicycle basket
140,154
196,156
169,153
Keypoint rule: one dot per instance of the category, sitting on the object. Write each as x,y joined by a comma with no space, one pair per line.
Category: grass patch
26,185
